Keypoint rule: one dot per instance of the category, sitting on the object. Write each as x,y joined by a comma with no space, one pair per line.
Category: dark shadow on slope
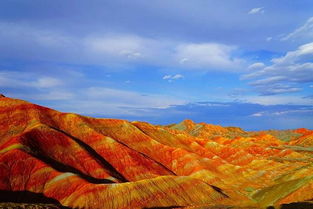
146,156
66,168
169,207
298,205
28,197
112,171
219,190
37,153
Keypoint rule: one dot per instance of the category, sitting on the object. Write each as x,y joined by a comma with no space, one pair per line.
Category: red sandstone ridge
73,161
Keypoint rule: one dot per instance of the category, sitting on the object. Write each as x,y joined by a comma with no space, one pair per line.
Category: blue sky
246,63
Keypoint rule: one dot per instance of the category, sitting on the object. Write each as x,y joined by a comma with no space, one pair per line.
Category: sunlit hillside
67,160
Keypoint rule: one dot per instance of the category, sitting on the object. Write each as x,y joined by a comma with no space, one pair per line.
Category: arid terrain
50,159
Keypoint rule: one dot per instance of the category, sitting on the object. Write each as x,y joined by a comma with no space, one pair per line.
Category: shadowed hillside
68,160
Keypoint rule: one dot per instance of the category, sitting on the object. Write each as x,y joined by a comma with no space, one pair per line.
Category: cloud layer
115,49
258,10
305,32
285,74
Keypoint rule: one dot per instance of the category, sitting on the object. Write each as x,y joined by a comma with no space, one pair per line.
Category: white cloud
277,100
177,76
258,114
115,102
256,66
183,60
303,54
47,82
19,79
258,10
9,80
170,78
131,98
278,89
116,45
291,112
207,56
166,77
36,87
268,80
285,73
303,32
283,112
129,49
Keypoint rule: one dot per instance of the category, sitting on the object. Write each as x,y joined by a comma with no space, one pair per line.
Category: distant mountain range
50,159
